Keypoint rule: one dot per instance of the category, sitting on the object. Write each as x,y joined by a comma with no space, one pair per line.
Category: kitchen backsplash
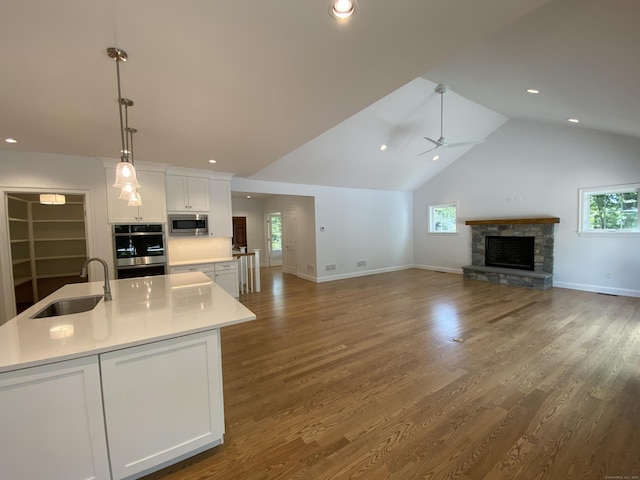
194,249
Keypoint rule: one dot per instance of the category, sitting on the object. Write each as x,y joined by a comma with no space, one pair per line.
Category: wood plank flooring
361,378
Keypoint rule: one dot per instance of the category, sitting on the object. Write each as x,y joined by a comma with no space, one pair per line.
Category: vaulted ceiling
280,91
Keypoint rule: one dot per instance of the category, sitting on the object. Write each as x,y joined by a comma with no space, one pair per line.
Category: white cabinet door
220,223
177,200
198,189
153,209
52,424
226,275
187,194
162,401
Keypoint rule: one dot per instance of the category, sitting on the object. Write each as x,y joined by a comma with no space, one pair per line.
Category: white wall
21,171
370,225
530,169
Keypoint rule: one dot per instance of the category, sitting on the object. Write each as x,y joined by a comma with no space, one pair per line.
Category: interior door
274,238
290,236
239,232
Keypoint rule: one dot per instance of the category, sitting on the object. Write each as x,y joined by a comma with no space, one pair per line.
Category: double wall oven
139,250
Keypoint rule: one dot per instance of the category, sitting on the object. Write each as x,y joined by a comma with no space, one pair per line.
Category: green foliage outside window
443,218
276,232
613,211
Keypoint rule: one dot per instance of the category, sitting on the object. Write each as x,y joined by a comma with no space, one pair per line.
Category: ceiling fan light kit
442,142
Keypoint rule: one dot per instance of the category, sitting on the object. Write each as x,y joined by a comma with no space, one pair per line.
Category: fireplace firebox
510,252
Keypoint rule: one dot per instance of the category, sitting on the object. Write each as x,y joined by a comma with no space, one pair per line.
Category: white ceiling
280,91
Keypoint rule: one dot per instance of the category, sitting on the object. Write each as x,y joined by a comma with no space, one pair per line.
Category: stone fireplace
516,251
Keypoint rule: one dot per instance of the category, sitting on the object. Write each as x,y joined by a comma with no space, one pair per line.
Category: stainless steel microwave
188,225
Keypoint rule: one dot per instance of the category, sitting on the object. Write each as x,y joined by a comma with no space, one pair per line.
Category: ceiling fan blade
462,144
435,142
430,150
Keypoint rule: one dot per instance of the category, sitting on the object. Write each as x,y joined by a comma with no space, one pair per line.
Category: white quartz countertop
198,262
143,310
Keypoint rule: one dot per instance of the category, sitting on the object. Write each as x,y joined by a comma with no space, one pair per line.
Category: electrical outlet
331,266
609,275
361,263
310,268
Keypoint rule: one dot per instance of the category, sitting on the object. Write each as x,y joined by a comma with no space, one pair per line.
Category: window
442,218
609,209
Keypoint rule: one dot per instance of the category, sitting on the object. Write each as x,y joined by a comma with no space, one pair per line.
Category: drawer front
226,266
196,267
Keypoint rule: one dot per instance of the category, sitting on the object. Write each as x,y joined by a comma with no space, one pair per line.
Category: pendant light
125,171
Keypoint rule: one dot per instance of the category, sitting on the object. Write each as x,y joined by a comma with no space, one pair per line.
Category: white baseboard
363,273
307,277
439,269
625,292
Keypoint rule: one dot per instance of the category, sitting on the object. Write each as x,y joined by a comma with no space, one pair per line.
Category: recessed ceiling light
532,90
11,140
212,161
383,147
436,157
573,120
341,9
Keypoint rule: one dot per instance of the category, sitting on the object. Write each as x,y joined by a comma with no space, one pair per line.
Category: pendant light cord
124,156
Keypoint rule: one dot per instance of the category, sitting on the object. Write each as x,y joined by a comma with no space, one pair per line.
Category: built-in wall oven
139,250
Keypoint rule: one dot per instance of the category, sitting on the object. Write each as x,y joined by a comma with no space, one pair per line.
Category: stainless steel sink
68,306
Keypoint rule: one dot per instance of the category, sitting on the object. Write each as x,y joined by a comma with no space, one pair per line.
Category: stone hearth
542,229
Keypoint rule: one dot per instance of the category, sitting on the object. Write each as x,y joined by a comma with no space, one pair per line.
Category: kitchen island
121,390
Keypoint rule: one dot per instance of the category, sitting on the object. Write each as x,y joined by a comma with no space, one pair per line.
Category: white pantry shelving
48,245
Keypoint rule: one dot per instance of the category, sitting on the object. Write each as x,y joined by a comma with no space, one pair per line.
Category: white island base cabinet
52,425
163,402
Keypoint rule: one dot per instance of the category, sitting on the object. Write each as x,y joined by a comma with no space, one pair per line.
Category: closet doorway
48,244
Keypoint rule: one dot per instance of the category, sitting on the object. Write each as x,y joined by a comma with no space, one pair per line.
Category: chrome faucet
107,287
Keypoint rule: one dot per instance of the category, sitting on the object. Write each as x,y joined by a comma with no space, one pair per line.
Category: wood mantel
514,221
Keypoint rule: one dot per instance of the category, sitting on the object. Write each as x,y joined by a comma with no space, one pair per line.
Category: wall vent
331,266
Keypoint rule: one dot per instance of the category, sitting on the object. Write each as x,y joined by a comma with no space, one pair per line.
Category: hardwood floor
362,378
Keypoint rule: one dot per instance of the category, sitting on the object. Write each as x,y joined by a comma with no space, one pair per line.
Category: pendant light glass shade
134,200
52,199
126,192
126,176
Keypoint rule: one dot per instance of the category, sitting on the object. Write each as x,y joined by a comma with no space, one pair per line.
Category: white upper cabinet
153,209
187,194
220,223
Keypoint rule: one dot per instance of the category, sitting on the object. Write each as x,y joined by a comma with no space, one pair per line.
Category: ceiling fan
442,142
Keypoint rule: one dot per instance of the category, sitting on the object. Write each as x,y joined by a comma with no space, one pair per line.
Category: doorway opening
48,245
239,239
274,238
